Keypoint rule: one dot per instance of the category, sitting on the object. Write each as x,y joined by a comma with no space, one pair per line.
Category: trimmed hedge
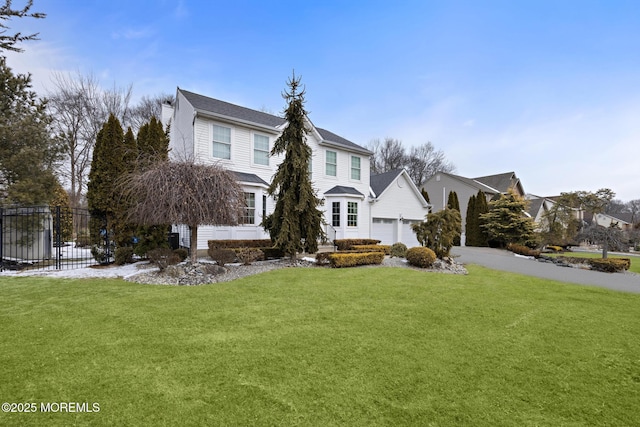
257,243
346,244
420,256
264,245
610,265
372,248
248,255
340,260
523,250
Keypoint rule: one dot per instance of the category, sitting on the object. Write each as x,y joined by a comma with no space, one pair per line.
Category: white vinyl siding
355,168
260,150
331,163
221,142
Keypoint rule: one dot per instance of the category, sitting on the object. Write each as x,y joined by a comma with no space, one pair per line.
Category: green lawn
321,347
635,259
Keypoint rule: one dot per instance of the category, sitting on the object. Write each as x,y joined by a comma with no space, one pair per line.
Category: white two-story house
208,130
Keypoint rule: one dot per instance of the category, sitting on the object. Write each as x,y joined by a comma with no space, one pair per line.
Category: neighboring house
538,208
441,184
396,204
623,220
208,130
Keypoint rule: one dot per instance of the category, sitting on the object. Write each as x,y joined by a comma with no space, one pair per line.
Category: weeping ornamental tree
296,223
184,193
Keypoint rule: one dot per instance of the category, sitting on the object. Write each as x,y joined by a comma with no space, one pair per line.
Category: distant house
441,184
396,204
623,220
209,130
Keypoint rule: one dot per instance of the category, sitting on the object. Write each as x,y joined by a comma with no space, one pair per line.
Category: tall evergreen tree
482,207
153,147
506,221
114,157
153,143
453,203
425,195
471,223
296,223
28,154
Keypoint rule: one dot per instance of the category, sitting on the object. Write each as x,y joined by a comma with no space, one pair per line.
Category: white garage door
384,229
408,236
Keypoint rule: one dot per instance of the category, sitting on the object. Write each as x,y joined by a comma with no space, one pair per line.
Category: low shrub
555,248
248,255
182,253
271,252
386,249
523,250
398,250
610,265
222,256
346,244
123,255
256,243
101,255
420,256
83,241
340,260
323,257
163,257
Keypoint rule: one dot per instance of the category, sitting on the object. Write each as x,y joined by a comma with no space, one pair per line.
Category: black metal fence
48,237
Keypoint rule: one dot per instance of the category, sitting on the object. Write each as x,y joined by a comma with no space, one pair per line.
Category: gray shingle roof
218,107
249,177
211,105
339,189
501,182
381,181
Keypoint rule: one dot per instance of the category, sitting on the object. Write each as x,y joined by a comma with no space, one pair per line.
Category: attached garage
385,230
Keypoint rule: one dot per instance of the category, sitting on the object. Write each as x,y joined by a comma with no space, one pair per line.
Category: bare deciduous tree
80,108
185,193
421,162
148,107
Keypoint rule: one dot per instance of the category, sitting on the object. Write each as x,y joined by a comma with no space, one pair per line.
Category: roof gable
379,183
502,182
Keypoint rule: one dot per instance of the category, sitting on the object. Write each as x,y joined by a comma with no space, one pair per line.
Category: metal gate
49,237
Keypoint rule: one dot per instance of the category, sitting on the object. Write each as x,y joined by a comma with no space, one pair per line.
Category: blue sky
547,89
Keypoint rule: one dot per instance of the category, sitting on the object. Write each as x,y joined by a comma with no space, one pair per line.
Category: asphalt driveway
504,260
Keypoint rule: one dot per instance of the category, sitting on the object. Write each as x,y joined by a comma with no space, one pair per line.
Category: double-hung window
331,163
221,142
335,214
355,168
260,149
249,213
352,214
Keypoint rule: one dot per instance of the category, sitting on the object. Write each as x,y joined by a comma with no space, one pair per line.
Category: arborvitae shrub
398,249
420,256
